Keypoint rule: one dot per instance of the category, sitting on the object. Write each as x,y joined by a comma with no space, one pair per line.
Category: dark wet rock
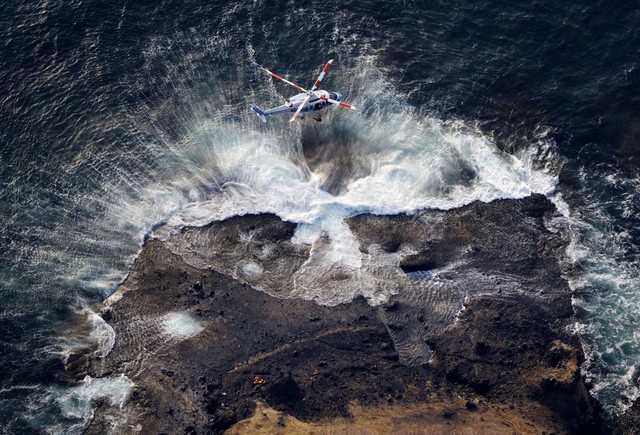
100,423
284,393
629,422
106,315
77,363
506,239
419,262
502,248
311,361
516,354
277,337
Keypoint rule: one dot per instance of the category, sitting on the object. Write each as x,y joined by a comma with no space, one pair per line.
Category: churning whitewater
397,160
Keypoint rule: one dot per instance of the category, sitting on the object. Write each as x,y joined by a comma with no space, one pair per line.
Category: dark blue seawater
118,116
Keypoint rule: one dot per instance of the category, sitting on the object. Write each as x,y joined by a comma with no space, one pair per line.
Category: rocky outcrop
629,423
476,323
505,349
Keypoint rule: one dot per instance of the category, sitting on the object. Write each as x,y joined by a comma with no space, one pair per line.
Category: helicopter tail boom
260,113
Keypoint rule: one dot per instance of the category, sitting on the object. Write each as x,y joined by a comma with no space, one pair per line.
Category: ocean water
121,120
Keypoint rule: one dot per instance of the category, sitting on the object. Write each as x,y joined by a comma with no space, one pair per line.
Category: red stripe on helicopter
341,104
283,79
276,75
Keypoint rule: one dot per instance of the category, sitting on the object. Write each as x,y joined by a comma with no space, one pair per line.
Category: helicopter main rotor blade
321,76
285,80
340,103
300,107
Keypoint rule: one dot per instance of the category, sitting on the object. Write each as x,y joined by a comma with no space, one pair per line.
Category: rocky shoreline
475,335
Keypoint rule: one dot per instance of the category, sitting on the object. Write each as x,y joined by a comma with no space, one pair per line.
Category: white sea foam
181,325
76,402
251,271
102,334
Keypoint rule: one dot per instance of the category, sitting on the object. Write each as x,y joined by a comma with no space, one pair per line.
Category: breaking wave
387,158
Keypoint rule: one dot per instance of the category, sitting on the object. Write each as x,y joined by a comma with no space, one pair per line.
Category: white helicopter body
307,101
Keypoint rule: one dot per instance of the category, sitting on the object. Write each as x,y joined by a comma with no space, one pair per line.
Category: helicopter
306,101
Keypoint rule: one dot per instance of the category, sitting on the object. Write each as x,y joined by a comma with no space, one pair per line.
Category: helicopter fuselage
292,104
